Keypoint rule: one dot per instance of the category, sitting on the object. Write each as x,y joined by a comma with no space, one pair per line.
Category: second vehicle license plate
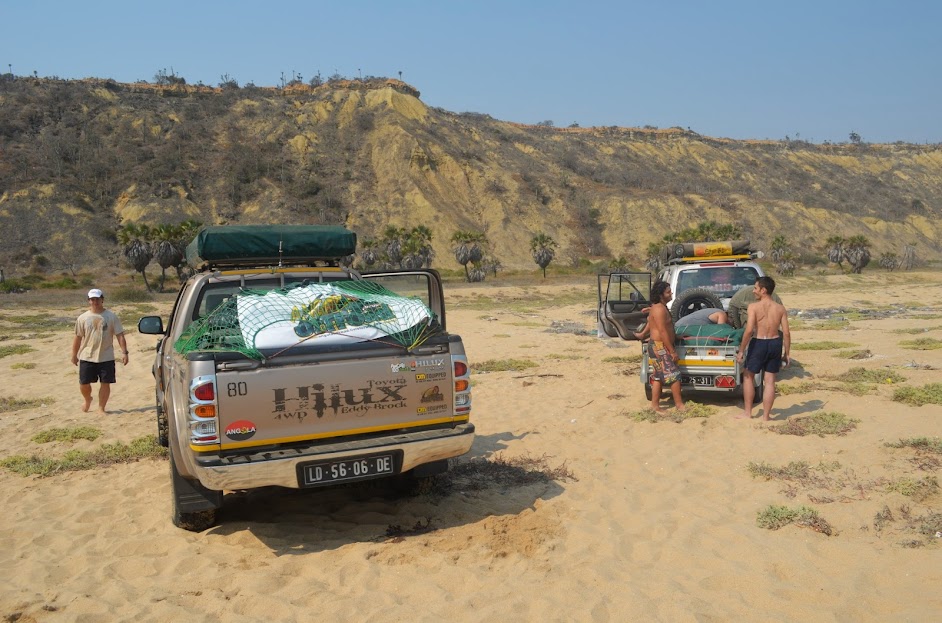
699,380
340,470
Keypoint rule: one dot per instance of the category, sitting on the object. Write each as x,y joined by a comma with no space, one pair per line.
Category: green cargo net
336,312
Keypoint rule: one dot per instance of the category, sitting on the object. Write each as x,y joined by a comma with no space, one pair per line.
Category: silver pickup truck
251,395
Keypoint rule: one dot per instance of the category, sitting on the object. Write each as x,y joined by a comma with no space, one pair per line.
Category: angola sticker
241,430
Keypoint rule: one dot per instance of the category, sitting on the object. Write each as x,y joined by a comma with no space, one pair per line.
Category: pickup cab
278,367
707,353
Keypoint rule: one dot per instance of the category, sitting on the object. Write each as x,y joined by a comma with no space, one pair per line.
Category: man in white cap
93,349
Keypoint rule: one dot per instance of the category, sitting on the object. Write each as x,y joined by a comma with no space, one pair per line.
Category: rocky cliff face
78,159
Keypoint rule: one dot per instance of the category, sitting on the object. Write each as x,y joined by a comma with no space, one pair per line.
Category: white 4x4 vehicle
707,274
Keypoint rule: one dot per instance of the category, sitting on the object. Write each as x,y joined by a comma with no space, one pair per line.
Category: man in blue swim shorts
769,342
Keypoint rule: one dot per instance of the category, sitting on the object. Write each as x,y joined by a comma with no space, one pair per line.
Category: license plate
698,380
344,470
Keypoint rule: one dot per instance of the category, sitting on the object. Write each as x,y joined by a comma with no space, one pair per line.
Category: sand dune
656,522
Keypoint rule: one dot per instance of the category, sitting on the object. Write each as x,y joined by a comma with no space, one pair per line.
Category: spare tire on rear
693,300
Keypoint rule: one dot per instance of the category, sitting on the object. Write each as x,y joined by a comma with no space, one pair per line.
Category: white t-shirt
97,332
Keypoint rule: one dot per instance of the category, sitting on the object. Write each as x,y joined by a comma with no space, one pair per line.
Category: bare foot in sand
87,405
660,411
743,416
102,412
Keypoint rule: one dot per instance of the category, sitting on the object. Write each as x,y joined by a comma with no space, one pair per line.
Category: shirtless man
661,347
767,349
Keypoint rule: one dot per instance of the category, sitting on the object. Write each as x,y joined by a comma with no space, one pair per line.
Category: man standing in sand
93,349
661,349
767,348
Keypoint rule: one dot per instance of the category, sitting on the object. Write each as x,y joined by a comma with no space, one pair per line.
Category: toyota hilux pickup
279,366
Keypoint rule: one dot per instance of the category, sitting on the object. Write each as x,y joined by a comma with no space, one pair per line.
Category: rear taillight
202,416
462,386
206,391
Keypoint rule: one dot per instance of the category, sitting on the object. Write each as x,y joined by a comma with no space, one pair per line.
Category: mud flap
190,496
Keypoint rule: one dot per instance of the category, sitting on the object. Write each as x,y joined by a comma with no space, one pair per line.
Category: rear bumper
279,468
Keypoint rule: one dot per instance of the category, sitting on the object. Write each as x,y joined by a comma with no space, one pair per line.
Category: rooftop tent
246,245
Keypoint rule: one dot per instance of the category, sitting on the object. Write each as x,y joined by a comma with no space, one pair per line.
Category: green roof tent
269,245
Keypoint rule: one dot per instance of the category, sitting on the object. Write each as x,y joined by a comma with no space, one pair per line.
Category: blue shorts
91,372
764,355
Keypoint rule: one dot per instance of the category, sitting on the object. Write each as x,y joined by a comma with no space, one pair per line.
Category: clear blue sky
816,70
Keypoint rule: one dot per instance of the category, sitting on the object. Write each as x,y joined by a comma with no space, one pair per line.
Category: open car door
623,297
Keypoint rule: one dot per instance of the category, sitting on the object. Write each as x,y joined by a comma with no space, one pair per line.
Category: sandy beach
637,520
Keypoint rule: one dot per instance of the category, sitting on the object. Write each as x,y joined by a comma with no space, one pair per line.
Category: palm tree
469,248
393,239
543,250
369,254
653,261
477,273
782,255
909,257
186,232
619,264
889,261
166,249
423,235
857,253
834,247
411,252
779,248
137,250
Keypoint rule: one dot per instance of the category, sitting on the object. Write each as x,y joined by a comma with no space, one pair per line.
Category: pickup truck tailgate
285,404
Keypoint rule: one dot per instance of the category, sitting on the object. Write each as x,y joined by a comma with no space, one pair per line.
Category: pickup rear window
217,293
724,281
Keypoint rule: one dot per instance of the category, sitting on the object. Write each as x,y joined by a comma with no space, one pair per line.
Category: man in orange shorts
661,347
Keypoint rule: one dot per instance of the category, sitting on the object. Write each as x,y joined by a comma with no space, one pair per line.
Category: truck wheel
693,300
188,493
163,428
647,391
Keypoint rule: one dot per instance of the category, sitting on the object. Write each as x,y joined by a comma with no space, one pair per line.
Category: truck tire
163,428
188,494
648,392
693,300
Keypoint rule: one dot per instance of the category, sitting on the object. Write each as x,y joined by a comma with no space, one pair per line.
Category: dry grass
923,343
16,404
854,354
820,424
824,345
864,375
774,517
502,365
483,473
919,489
920,444
74,460
929,394
67,434
623,359
15,349
693,410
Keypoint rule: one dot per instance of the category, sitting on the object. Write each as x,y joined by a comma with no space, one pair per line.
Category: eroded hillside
80,158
